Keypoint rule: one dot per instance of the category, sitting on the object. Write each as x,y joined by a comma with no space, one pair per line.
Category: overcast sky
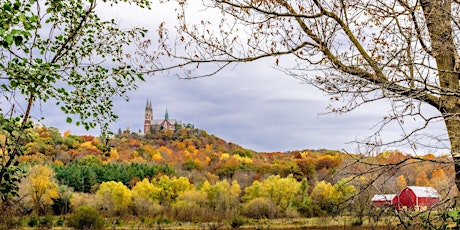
252,105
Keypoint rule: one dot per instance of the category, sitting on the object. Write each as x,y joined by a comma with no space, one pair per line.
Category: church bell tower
148,117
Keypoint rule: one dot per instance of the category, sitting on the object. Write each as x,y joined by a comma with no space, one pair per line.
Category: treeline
176,198
88,173
189,175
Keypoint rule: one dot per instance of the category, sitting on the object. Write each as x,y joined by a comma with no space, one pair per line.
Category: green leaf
14,84
18,40
9,39
69,120
7,7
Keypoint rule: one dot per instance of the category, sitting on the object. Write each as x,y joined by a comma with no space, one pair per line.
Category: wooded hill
190,175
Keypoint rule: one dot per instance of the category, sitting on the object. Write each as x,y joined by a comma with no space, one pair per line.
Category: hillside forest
189,175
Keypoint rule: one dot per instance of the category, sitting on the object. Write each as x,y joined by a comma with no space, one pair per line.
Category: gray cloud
252,105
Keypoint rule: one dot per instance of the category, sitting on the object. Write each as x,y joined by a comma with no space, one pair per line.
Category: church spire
148,105
148,116
166,114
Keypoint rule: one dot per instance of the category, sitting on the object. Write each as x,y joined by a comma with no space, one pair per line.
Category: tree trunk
438,19
453,130
443,49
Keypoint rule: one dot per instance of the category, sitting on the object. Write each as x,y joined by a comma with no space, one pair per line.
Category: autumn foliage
189,175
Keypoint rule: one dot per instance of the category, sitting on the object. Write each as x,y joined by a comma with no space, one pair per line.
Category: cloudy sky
252,105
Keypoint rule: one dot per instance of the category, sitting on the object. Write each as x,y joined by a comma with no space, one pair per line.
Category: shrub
291,213
357,222
60,222
145,207
237,222
46,222
82,199
260,208
86,217
9,218
33,221
191,206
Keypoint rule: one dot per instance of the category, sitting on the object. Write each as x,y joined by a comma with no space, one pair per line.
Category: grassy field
344,222
316,223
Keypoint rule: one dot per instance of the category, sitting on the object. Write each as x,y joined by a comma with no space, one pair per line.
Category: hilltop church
152,125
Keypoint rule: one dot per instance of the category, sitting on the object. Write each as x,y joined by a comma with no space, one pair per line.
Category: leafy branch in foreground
60,52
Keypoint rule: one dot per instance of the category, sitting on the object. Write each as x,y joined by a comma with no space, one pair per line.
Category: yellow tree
401,182
146,190
345,188
325,196
440,181
253,191
346,191
422,179
218,196
41,188
170,188
222,196
281,191
191,205
114,197
145,198
235,192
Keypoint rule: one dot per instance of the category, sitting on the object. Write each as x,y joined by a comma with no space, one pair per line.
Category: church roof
159,121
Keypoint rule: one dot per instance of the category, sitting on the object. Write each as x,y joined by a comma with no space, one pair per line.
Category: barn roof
383,197
421,191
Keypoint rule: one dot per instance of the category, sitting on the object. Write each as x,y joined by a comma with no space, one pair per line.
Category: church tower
148,117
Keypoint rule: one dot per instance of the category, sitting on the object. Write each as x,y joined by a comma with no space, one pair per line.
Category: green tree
62,203
302,201
60,52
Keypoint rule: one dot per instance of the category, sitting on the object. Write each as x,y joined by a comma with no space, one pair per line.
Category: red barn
416,197
384,200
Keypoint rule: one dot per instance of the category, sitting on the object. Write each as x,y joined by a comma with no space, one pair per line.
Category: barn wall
381,203
407,198
427,201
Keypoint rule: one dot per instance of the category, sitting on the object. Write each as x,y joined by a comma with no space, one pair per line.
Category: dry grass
343,222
